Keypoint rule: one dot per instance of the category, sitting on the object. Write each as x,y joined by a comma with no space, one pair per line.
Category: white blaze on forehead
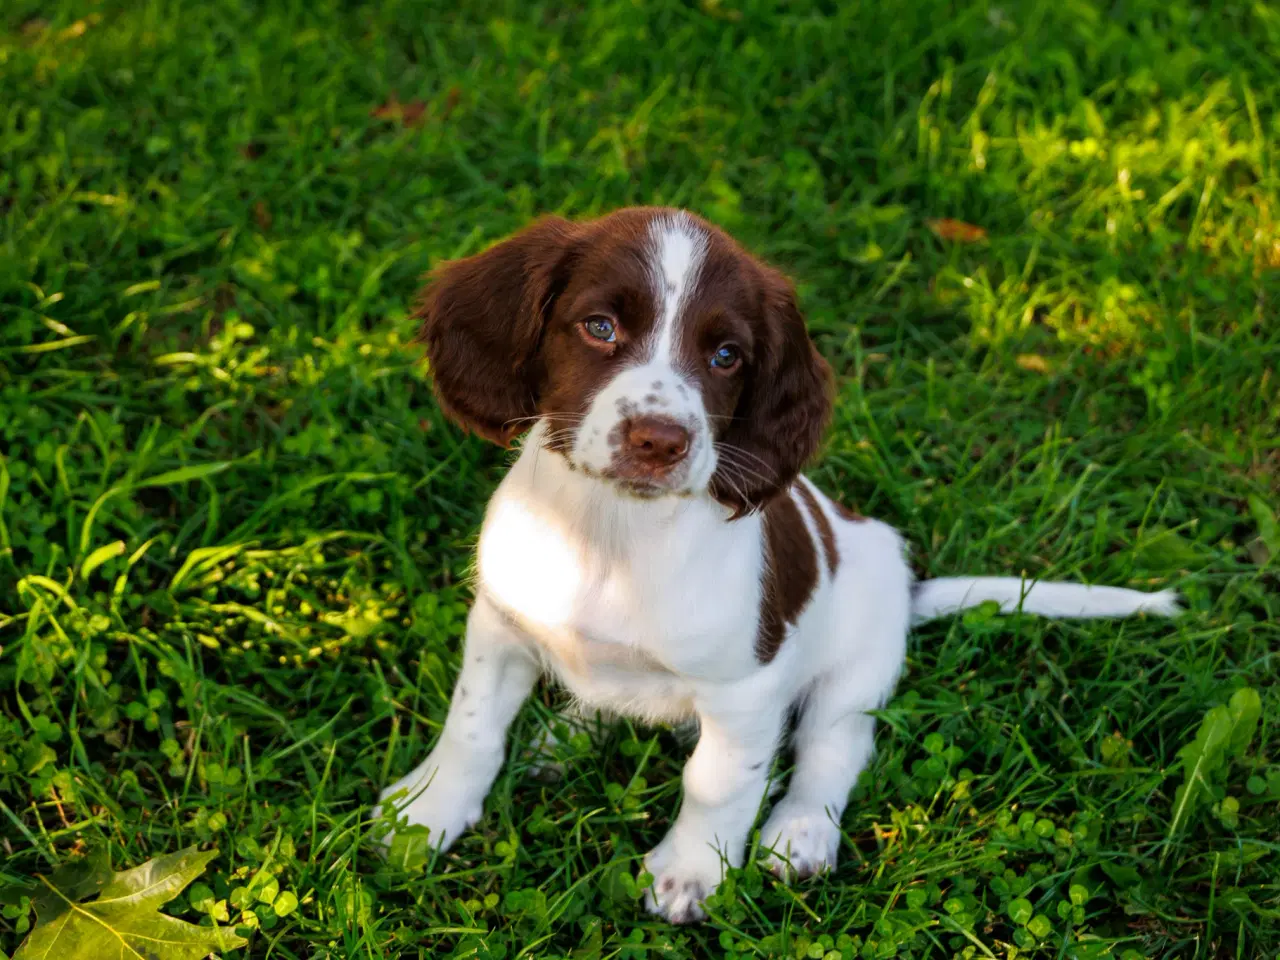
674,252
677,248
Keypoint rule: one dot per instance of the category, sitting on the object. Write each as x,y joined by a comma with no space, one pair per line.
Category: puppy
655,548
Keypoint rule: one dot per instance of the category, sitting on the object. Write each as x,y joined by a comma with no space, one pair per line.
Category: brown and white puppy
654,547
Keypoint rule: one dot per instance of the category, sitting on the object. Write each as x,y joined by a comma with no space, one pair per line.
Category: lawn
1039,241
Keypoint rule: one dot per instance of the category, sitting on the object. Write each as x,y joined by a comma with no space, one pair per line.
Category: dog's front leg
724,782
446,792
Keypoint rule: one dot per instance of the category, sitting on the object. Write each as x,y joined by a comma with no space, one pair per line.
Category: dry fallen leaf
409,114
413,113
956,231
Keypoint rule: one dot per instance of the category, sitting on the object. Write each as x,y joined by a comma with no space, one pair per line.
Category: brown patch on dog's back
825,533
790,576
851,515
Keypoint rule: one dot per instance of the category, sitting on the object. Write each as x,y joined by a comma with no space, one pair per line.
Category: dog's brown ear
784,408
482,321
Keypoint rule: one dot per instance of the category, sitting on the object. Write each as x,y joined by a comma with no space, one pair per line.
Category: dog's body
654,547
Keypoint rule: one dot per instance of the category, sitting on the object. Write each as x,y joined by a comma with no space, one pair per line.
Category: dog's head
662,357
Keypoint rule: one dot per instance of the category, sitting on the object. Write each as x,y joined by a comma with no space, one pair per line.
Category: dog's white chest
616,607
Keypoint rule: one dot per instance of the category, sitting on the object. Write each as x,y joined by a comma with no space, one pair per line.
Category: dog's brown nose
657,442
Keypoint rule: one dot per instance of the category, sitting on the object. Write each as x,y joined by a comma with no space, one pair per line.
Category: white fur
936,598
649,608
678,249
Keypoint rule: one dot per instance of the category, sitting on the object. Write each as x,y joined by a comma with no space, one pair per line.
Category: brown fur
791,574
482,323
825,533
769,415
851,515
607,279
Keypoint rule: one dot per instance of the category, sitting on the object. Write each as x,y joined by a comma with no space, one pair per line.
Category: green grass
235,529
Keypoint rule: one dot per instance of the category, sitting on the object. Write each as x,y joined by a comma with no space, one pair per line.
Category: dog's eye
602,328
726,357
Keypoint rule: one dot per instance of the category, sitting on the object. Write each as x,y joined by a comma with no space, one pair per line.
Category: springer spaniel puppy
655,548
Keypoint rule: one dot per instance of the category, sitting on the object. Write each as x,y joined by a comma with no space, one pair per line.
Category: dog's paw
682,880
444,806
803,841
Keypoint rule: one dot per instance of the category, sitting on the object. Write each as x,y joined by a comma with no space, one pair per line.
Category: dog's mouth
639,488
642,489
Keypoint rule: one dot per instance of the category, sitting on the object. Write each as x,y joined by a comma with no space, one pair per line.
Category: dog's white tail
937,598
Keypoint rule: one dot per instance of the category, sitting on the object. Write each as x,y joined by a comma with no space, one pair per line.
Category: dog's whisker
559,436
741,456
735,482
744,474
742,486
728,461
724,446
547,416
